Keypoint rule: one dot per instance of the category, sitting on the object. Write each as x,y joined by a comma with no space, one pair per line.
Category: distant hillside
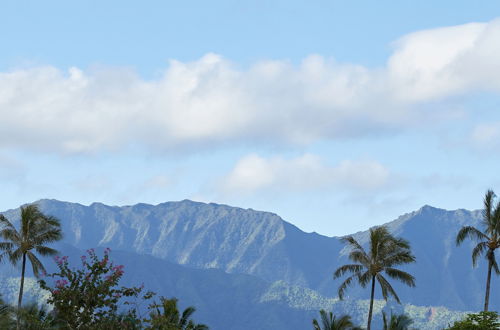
261,244
235,301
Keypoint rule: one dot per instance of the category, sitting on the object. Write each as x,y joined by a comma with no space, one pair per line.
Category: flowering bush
89,297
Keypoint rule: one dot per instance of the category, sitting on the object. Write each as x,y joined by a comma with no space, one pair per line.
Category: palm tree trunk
371,304
21,288
488,280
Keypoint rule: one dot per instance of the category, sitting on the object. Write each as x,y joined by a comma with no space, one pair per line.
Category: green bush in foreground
480,321
90,298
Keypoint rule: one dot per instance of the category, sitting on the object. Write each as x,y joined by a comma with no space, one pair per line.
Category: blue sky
337,115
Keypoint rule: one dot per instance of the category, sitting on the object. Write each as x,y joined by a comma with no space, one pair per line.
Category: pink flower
61,283
61,260
118,268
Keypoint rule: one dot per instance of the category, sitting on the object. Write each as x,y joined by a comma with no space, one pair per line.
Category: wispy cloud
254,173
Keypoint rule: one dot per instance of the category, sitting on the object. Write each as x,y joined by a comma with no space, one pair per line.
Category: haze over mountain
247,258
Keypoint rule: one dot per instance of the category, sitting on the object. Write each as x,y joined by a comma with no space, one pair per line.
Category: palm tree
37,229
397,322
331,322
385,253
488,240
171,318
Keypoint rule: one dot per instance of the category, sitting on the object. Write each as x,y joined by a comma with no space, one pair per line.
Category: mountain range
247,269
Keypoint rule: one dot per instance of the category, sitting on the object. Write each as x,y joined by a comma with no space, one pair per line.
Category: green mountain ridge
252,266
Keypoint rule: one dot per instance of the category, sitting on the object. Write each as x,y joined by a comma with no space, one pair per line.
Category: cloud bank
212,102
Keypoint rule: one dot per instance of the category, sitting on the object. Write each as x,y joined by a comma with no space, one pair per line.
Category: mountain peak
428,208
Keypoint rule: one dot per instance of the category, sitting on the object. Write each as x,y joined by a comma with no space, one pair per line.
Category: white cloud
211,101
436,63
308,172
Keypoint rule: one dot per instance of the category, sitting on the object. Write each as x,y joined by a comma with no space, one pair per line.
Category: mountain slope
232,301
261,244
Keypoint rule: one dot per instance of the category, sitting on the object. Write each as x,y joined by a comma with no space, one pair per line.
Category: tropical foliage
385,253
331,322
488,239
480,321
166,315
89,297
396,322
36,230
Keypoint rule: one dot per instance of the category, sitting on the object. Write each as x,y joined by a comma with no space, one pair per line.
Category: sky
336,115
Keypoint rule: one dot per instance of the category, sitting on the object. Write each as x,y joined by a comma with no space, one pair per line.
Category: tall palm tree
488,240
37,229
331,322
171,318
397,322
386,252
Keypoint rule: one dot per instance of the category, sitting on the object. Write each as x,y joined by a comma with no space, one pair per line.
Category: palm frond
316,325
36,265
5,223
347,269
11,235
45,251
344,322
376,237
496,219
49,236
326,319
365,278
15,256
488,204
401,276
353,244
398,258
29,214
360,256
396,322
495,266
347,282
478,251
387,288
186,314
6,246
472,233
